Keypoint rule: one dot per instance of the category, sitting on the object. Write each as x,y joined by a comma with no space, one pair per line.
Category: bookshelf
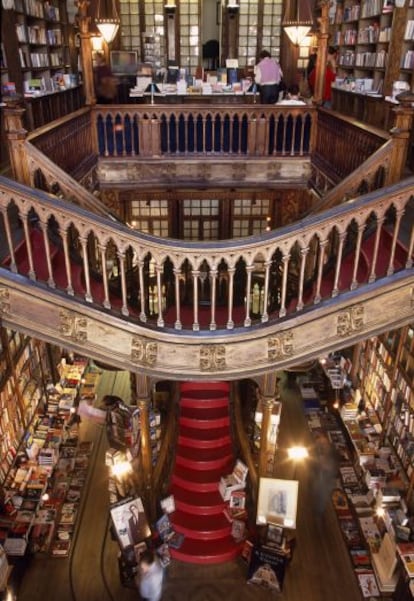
375,41
386,375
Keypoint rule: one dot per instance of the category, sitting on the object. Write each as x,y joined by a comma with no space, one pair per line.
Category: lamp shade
107,20
297,33
108,29
297,21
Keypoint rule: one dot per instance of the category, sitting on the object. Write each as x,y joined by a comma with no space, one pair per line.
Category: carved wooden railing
244,443
211,285
342,145
173,130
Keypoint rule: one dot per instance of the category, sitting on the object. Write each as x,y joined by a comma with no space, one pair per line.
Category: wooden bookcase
39,57
375,43
386,373
24,365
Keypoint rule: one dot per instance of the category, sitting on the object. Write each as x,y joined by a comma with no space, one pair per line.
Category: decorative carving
350,321
4,300
239,171
281,346
212,357
144,351
73,326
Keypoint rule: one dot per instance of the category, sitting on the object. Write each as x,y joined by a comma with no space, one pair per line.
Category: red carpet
204,454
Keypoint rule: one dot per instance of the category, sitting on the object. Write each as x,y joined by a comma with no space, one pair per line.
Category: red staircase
204,454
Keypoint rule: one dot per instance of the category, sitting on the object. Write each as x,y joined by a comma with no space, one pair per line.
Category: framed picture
274,535
130,522
277,502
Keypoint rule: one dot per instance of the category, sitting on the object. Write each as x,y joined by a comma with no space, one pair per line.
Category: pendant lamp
107,20
297,21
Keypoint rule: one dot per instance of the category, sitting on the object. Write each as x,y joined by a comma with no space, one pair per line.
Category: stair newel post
399,214
196,325
106,301
335,289
121,262
86,51
69,287
16,135
84,246
230,322
144,406
265,314
401,134
247,319
285,261
213,276
323,36
264,459
321,261
143,294
354,283
50,281
372,275
160,320
177,325
303,255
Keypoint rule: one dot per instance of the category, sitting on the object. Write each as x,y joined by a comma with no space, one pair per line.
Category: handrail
244,443
258,269
203,130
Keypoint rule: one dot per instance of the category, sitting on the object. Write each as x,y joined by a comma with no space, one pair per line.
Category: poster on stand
277,502
130,522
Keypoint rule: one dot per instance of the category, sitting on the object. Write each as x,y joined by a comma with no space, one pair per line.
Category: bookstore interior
358,402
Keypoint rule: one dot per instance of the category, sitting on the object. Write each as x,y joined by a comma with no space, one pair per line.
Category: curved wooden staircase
204,454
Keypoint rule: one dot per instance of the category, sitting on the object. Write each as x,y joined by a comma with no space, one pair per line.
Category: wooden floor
319,571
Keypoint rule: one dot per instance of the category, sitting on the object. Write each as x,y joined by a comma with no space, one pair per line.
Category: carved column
143,392
323,36
86,51
16,136
401,134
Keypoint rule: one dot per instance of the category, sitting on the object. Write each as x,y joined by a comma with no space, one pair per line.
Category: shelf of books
375,41
371,498
44,470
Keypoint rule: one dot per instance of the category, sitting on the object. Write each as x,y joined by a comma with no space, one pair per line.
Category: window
150,216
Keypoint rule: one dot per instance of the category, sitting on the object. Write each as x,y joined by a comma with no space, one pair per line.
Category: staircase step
200,480
210,401
207,551
204,459
203,438
202,527
206,503
204,424
210,387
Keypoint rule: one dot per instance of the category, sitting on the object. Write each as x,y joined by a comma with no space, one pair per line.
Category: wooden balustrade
202,286
240,130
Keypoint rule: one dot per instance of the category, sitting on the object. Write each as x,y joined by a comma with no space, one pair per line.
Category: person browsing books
268,75
151,576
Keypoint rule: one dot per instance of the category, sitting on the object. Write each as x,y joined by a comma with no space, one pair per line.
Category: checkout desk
194,98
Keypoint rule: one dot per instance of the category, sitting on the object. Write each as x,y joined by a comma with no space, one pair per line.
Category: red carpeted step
202,527
200,480
208,551
204,438
204,459
215,400
204,423
206,389
195,502
204,413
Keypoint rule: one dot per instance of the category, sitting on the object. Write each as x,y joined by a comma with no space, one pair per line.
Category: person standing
329,77
106,85
151,576
268,75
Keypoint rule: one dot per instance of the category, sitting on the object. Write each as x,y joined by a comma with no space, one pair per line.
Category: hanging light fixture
296,24
107,20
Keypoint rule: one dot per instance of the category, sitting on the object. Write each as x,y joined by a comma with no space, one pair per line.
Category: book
238,530
267,569
367,583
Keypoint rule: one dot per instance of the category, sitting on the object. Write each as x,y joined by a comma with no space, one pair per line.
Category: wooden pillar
16,135
323,36
143,393
401,136
269,395
86,51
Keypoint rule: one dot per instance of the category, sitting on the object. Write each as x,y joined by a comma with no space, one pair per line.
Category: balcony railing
244,283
